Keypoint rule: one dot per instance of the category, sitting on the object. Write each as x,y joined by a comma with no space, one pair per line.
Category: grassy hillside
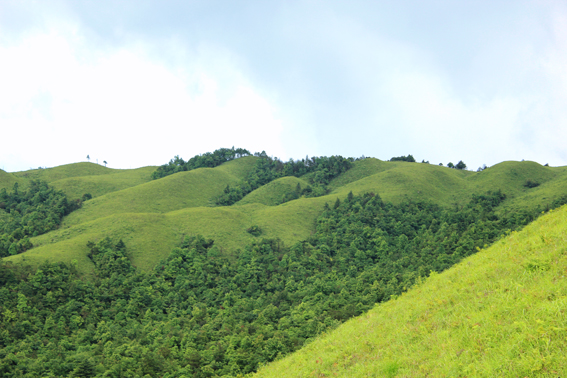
179,191
65,171
98,185
272,193
402,180
497,313
7,180
127,204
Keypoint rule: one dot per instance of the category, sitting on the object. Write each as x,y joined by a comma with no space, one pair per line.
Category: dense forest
202,313
31,212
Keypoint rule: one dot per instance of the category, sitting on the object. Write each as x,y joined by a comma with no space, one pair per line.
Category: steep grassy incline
499,313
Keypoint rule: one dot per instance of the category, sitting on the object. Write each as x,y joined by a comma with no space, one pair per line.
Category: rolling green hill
499,313
272,193
98,185
65,171
127,203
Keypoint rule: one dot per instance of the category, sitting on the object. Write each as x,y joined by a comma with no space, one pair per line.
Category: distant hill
154,215
498,313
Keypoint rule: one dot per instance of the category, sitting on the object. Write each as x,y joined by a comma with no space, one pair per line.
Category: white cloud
60,102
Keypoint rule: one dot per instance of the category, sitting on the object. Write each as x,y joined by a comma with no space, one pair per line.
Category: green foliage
531,184
461,165
319,171
408,158
496,314
254,230
206,160
28,213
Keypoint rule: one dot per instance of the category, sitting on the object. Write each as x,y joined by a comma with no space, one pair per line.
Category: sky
135,83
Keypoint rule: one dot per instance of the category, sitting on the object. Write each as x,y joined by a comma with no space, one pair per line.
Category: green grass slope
150,237
7,180
396,181
65,171
499,313
182,190
98,185
272,193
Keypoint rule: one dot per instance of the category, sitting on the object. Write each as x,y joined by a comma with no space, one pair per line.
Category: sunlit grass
499,313
272,193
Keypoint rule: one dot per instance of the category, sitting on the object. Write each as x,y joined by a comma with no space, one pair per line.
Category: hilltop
498,313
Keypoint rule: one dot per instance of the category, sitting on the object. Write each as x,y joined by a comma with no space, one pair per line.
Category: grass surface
65,171
7,180
98,185
499,313
272,193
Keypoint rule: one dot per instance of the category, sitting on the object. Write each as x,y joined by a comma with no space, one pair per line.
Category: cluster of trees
202,313
460,165
31,212
318,171
206,160
408,158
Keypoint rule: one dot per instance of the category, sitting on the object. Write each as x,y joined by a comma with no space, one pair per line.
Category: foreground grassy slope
499,313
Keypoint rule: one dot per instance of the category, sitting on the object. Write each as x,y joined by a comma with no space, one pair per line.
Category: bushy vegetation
206,160
319,171
28,213
408,158
202,313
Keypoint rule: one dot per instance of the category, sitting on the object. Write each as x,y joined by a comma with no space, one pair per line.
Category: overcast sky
138,82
